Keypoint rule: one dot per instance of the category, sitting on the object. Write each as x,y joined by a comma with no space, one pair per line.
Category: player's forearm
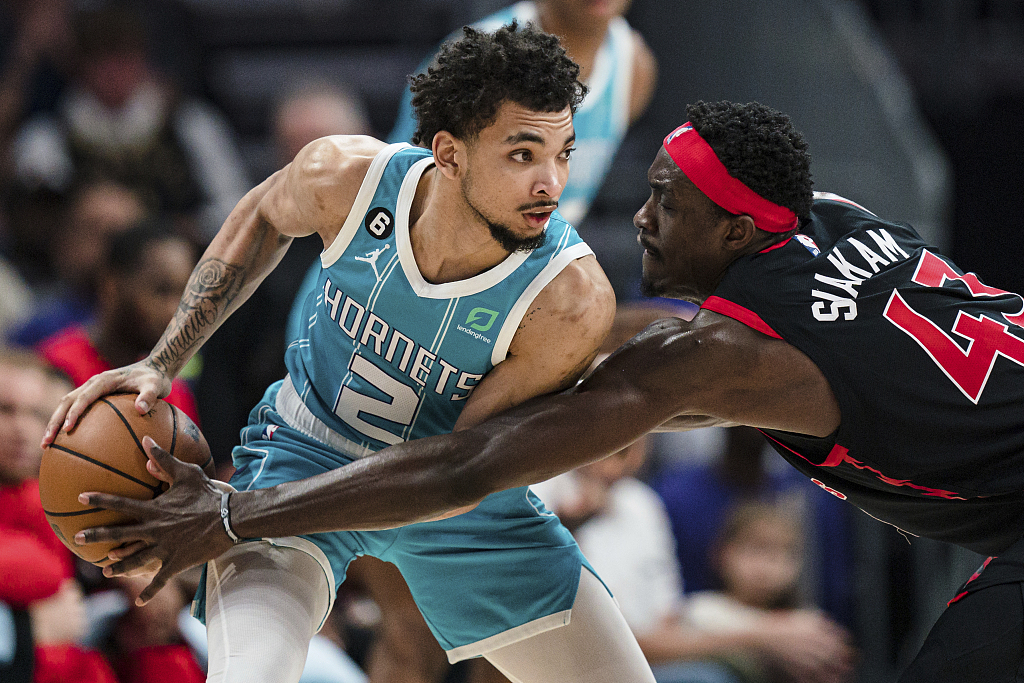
408,483
237,260
419,480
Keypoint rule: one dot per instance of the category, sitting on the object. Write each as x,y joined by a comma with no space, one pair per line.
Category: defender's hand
177,530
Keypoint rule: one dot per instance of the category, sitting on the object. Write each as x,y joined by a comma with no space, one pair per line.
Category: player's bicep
556,342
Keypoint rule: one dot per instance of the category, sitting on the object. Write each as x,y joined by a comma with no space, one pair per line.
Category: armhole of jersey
729,309
546,275
362,202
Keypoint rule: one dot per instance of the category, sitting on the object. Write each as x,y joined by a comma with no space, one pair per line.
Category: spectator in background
138,289
312,110
699,495
37,582
119,120
35,46
96,211
147,645
15,300
758,557
622,528
615,64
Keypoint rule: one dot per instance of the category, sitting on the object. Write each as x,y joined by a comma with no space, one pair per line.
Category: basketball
104,453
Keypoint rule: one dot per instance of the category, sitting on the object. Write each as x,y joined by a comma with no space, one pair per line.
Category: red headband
701,165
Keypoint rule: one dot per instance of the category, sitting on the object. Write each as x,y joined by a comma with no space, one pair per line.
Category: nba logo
808,244
685,128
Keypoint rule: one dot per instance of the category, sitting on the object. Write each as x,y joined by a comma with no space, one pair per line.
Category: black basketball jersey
927,364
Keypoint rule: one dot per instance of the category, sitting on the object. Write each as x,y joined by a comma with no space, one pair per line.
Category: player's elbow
476,471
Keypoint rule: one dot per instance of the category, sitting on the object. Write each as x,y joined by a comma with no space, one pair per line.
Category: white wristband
225,516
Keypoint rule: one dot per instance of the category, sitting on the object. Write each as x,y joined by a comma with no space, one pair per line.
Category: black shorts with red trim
979,638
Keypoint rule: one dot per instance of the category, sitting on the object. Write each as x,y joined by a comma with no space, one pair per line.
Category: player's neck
580,38
449,240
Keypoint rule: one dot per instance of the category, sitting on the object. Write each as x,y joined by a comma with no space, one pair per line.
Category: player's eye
568,153
522,155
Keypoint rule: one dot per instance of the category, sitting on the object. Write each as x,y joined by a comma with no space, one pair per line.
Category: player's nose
550,180
642,219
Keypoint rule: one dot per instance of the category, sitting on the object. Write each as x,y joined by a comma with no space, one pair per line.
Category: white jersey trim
446,290
296,415
621,37
555,266
513,635
359,207
613,68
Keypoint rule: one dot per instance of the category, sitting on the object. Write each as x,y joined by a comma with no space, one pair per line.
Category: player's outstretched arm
720,369
312,194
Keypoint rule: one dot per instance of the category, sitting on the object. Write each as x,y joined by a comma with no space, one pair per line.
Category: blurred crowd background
128,130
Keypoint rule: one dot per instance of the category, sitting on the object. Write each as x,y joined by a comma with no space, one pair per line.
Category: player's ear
740,232
448,155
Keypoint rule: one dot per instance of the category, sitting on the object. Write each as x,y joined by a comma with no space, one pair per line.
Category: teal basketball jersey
384,356
600,122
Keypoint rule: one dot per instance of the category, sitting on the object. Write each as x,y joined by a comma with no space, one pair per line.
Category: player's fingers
112,534
83,397
168,468
139,509
57,419
148,395
158,582
155,470
123,551
142,562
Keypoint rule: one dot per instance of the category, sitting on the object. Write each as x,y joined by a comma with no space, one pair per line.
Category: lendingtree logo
481,319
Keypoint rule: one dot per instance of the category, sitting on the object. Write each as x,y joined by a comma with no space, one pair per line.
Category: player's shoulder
337,157
569,318
580,292
330,170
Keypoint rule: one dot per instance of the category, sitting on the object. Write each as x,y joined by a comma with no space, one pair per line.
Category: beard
648,288
503,234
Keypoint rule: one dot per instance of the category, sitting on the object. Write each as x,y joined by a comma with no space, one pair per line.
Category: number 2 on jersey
987,338
353,406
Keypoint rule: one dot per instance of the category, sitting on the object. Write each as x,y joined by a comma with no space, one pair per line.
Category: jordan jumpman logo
371,258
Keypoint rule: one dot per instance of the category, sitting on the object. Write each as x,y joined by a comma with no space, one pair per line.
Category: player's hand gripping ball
104,453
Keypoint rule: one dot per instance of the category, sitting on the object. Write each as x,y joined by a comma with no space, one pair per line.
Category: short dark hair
471,77
758,146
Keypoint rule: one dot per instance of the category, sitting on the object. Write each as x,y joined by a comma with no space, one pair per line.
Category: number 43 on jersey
987,338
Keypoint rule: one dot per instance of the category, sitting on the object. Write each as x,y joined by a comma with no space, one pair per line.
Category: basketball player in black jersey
869,360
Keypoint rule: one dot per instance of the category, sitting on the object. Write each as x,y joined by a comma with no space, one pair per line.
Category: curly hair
473,76
759,147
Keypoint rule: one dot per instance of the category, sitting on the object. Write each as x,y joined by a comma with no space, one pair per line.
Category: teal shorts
504,571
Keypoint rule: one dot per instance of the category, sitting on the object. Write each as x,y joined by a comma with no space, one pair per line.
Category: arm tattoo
214,285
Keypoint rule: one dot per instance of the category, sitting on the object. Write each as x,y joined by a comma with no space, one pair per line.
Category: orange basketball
104,453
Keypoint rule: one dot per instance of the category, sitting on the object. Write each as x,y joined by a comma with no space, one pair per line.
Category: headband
701,165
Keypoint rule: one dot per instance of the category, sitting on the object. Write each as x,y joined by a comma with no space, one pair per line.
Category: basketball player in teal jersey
620,71
450,290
